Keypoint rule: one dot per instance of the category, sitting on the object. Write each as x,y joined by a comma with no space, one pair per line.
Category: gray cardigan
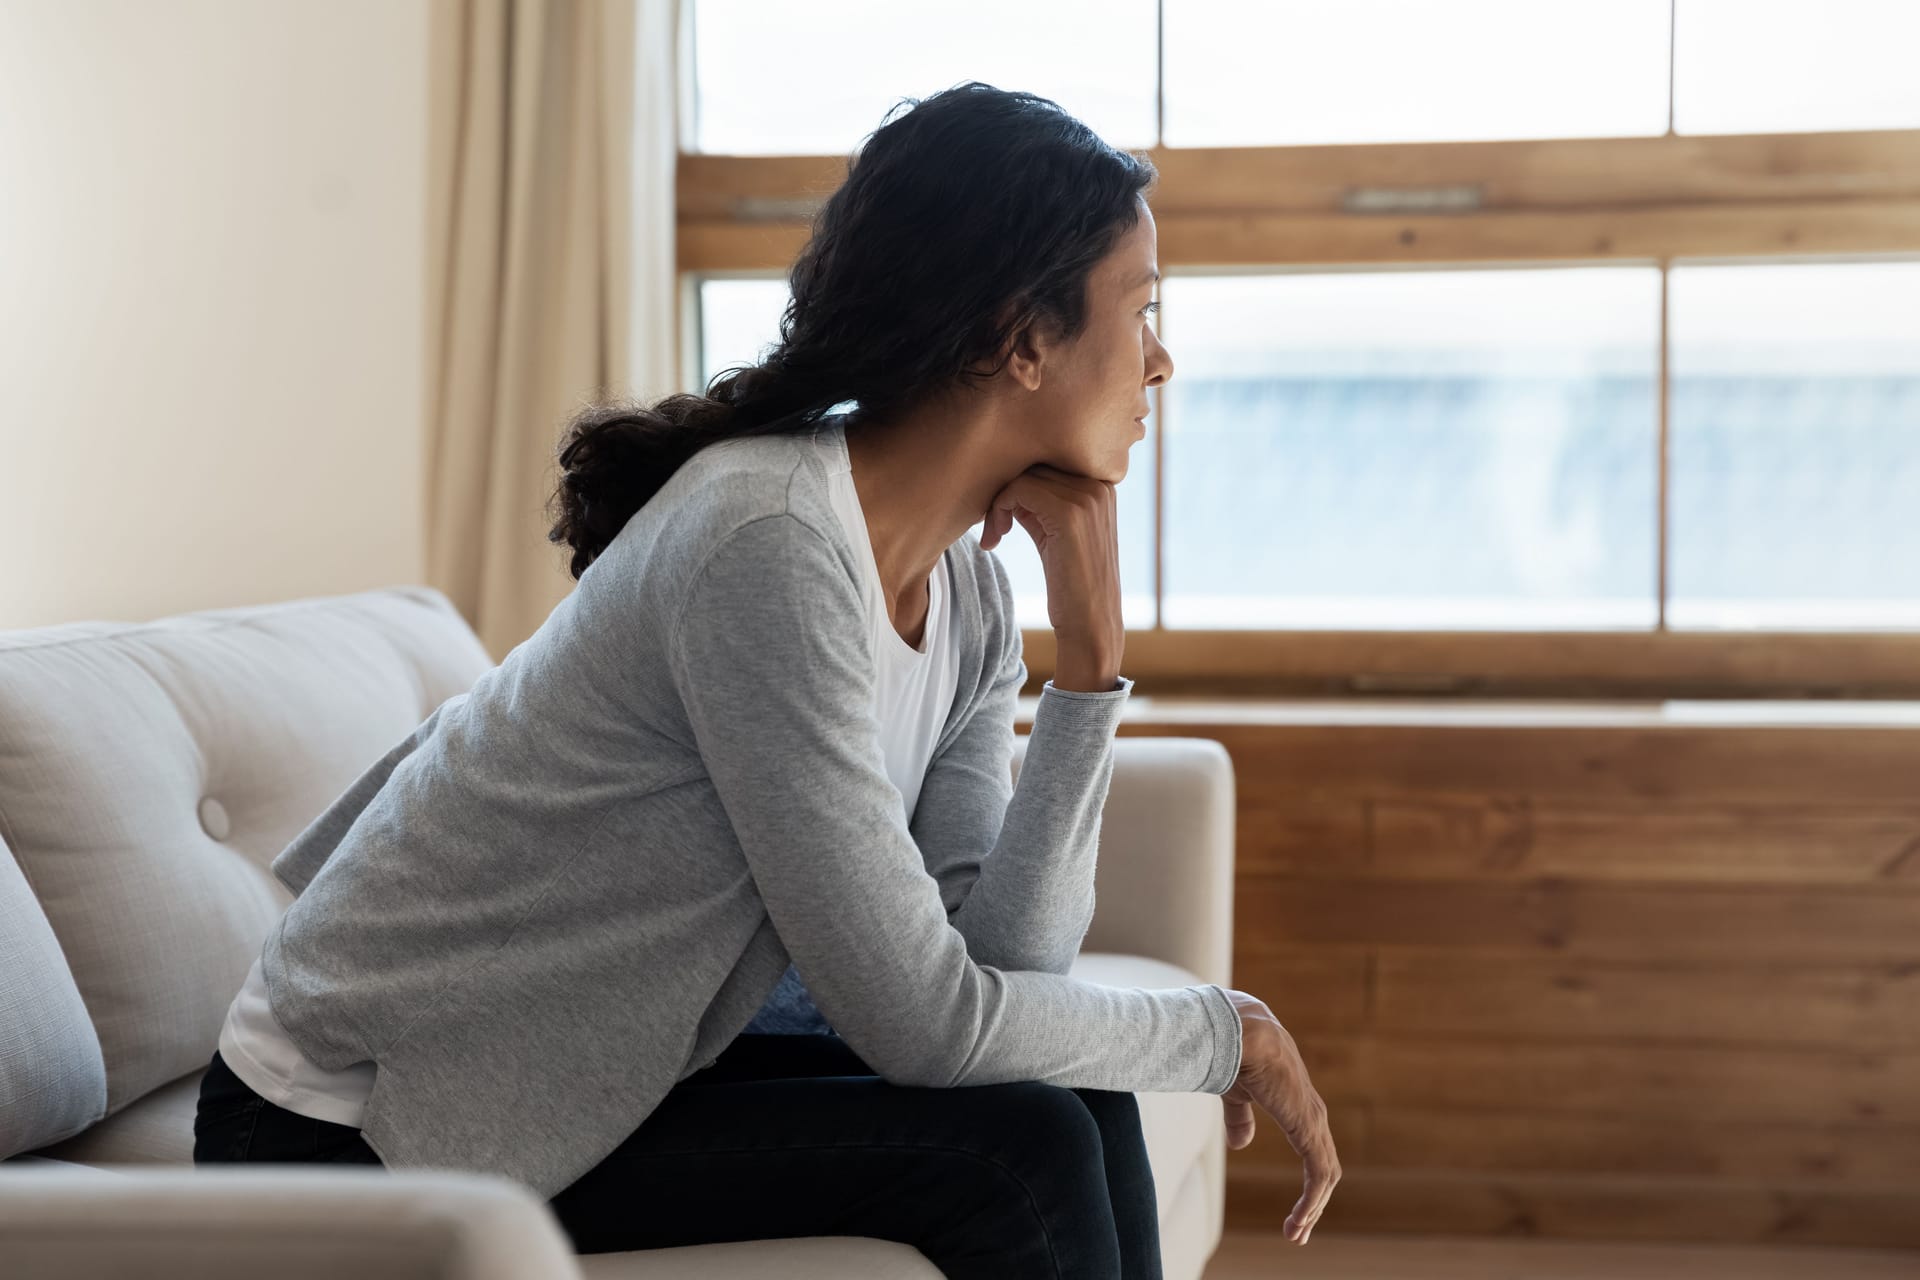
574,884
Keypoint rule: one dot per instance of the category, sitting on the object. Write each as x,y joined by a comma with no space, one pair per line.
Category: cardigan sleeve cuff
1082,708
1227,1041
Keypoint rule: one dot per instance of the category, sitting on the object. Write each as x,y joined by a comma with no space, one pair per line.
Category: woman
694,913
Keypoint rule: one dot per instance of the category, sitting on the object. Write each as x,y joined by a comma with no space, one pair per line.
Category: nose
1159,363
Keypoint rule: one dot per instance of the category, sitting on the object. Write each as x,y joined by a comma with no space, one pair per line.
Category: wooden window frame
1651,200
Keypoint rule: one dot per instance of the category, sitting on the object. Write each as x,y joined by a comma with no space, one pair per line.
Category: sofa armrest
289,1222
1163,887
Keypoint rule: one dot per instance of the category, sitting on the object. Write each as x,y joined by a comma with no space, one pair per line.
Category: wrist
1086,669
1087,678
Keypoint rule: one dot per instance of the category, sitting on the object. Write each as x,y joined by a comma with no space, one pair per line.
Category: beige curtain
553,131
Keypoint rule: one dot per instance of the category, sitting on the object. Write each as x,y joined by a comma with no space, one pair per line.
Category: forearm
1033,898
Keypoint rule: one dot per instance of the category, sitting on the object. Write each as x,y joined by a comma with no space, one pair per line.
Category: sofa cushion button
213,818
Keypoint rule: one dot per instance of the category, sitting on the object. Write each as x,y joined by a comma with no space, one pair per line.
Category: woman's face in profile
1095,388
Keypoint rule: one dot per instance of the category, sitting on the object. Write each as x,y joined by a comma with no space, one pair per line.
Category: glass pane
1767,66
1416,449
775,78
1796,445
1311,71
740,320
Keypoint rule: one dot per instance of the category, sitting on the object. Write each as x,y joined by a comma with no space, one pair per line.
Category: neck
923,482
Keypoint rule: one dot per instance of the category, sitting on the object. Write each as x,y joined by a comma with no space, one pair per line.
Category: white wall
212,265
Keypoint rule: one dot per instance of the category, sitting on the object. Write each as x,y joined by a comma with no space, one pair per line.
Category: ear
1024,352
1025,355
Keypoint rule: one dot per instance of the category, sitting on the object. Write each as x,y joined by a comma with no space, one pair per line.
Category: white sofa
149,772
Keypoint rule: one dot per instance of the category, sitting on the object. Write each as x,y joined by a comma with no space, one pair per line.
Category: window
774,78
1796,445
1431,449
1760,66
739,320
1586,321
1307,71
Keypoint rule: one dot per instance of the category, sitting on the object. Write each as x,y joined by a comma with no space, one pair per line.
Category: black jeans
794,1135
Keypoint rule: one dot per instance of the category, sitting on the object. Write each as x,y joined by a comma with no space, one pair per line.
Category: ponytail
615,455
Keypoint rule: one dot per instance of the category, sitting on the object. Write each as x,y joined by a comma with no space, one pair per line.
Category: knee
1114,1112
1109,1102
1052,1120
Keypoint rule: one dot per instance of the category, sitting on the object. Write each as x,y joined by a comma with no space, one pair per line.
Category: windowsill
1515,713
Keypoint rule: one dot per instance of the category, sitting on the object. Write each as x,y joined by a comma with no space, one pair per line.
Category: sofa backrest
149,773
1163,875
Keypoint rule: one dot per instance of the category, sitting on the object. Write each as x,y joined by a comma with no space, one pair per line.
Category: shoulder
752,476
728,488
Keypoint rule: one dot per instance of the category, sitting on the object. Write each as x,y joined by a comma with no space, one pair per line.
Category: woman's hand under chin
1074,522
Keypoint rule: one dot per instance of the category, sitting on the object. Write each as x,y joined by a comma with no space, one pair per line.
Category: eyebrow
1149,278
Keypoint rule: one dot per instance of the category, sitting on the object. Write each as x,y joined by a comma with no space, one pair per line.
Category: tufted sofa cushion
149,773
52,1081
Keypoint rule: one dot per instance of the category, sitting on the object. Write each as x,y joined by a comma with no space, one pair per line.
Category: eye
1151,306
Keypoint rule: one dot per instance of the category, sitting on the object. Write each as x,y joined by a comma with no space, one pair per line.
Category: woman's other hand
1273,1077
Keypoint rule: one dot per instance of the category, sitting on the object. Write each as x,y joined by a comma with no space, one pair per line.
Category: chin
1109,465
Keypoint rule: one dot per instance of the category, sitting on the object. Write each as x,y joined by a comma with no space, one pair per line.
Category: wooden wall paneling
1476,836
1409,1137
1796,1085
1737,1005
1675,922
1600,973
1824,767
1619,1207
1474,992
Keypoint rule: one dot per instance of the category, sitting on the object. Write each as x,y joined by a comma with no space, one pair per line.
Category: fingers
1042,489
1273,1076
1322,1170
1293,1226
999,520
1320,1166
1239,1118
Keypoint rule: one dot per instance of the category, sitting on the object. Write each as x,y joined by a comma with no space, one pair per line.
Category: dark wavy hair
977,213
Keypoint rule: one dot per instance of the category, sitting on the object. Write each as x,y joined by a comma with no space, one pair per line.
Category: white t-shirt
913,693
915,688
